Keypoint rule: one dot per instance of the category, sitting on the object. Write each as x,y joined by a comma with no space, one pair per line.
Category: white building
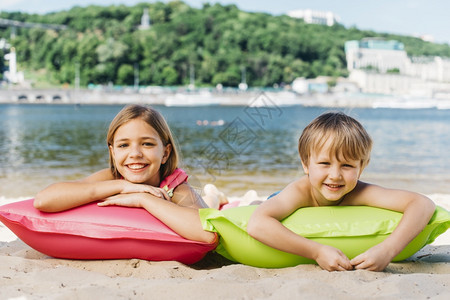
4,45
432,68
315,17
376,54
317,85
12,75
379,55
145,20
370,60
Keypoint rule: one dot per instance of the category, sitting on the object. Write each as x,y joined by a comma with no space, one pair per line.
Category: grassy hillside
215,43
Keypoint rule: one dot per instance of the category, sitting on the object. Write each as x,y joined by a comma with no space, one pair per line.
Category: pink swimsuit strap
177,177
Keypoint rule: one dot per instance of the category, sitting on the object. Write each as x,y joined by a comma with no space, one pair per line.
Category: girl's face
138,152
331,179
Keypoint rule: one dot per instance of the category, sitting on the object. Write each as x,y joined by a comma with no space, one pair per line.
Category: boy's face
331,178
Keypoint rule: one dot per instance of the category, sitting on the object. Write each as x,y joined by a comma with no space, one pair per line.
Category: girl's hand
332,259
129,200
131,188
375,259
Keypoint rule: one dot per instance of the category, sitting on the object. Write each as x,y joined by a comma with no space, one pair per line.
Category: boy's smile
334,187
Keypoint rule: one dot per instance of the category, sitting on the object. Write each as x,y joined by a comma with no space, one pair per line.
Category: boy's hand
332,259
374,259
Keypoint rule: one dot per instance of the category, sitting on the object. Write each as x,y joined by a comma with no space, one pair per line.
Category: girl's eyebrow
142,138
148,138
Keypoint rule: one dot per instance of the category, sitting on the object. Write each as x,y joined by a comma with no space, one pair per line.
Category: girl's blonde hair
348,137
155,120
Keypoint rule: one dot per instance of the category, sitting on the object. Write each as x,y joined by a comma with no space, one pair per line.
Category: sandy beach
29,274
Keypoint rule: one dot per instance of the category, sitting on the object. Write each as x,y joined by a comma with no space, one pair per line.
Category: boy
334,150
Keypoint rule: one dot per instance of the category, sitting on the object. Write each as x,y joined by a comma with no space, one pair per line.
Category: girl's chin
134,179
138,180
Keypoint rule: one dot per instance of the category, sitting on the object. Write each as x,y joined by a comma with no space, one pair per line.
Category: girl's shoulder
176,178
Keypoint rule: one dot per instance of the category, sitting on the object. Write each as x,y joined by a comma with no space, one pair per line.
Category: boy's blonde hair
349,139
155,120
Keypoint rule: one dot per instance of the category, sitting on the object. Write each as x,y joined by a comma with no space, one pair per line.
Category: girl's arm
417,211
264,225
64,195
100,185
185,195
182,219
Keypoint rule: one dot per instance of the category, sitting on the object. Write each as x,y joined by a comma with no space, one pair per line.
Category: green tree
125,75
216,40
169,75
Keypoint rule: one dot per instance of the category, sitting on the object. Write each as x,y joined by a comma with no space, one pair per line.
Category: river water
235,147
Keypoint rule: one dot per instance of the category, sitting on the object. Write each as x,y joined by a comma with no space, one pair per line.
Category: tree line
216,44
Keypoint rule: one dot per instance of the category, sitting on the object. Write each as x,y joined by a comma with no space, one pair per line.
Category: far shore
205,96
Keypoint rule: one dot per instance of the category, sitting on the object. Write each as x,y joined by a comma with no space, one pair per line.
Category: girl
142,155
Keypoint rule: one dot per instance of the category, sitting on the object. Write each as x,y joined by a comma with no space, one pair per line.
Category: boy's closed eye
348,166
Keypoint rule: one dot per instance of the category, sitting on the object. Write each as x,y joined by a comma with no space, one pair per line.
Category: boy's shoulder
363,194
299,191
301,184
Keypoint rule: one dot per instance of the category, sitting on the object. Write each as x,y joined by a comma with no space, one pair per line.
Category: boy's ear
305,168
362,167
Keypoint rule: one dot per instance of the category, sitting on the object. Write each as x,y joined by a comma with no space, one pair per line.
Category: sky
406,17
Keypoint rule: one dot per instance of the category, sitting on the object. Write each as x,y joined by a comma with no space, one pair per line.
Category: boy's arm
417,211
264,225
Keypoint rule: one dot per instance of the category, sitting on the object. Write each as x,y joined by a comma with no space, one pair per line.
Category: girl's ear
111,151
110,148
167,151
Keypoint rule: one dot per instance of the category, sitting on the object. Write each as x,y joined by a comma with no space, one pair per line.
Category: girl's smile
137,167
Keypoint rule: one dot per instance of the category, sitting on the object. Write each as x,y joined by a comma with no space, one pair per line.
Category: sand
28,274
